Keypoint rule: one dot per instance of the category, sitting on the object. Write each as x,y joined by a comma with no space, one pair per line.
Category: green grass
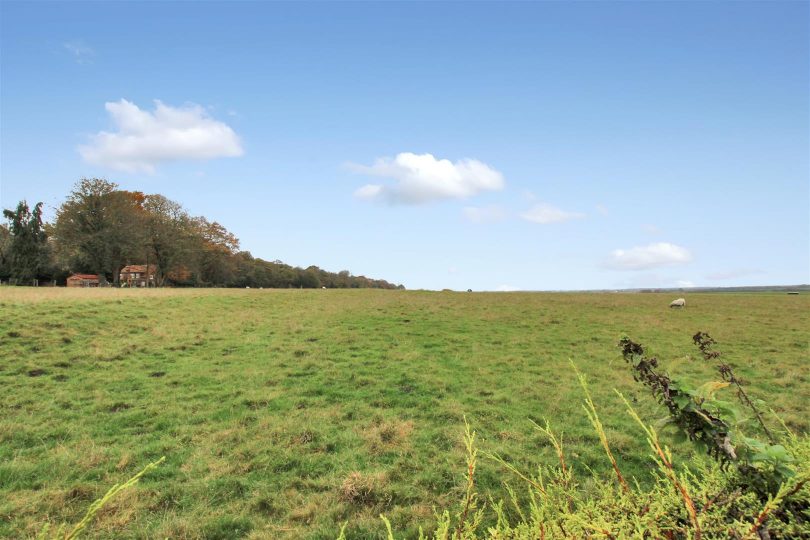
283,414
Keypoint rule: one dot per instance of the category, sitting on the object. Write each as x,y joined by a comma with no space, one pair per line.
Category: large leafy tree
214,249
25,251
309,278
169,235
100,228
127,241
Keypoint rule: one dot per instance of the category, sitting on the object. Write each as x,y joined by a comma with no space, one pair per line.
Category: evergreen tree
27,254
5,244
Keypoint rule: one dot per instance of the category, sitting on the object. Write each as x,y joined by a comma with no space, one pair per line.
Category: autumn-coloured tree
99,228
169,236
215,250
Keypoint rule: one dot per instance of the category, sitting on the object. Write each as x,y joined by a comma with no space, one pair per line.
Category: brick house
137,275
83,280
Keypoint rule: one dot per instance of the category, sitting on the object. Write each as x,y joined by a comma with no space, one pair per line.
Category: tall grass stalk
590,410
95,507
663,458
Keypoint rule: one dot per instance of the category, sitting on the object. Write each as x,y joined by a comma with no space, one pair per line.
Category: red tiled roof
137,268
83,276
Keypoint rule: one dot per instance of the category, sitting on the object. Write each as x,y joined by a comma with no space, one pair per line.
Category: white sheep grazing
680,302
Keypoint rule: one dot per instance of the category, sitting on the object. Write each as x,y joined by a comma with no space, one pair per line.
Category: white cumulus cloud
650,256
421,178
143,139
545,213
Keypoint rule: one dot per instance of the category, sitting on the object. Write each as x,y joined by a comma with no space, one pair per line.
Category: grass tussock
363,489
388,436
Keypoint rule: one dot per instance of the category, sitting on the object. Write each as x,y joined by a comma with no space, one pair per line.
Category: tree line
100,229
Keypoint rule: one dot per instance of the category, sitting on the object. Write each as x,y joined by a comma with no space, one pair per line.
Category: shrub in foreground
750,489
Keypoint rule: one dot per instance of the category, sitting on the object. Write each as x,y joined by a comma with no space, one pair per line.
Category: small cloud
651,256
602,209
81,52
506,288
684,284
650,229
452,270
485,214
545,213
421,178
144,139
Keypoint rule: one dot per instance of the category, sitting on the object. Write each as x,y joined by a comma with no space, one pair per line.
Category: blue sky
439,145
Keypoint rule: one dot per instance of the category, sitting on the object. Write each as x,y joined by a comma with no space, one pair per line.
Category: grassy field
283,414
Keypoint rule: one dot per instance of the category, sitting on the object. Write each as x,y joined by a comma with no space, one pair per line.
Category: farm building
137,275
83,280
